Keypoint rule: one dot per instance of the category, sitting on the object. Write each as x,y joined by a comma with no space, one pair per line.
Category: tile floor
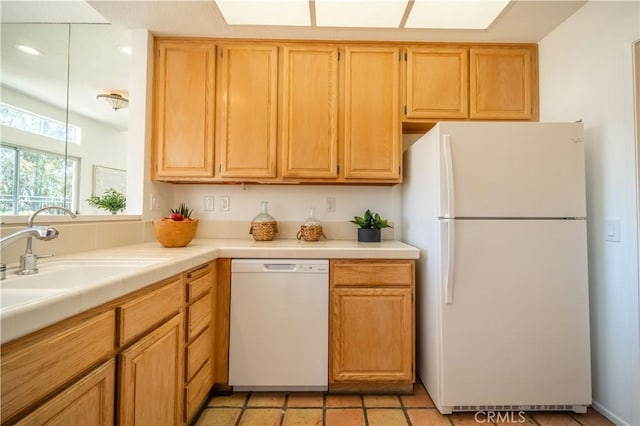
322,409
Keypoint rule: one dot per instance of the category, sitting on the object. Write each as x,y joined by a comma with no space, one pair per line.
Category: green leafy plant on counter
370,221
112,201
180,214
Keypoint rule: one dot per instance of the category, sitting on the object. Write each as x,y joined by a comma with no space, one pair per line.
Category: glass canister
263,227
311,230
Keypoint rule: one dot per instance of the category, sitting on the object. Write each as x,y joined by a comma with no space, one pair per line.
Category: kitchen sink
74,273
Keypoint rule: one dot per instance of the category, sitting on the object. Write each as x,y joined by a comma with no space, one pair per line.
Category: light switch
612,230
209,202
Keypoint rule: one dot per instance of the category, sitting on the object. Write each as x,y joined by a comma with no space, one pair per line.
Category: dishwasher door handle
279,267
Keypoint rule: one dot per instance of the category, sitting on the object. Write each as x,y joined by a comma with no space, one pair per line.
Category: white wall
293,202
586,73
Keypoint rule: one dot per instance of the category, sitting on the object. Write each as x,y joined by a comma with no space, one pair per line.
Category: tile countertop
19,320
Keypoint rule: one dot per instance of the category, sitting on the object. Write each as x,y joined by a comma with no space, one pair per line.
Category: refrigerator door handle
451,238
448,169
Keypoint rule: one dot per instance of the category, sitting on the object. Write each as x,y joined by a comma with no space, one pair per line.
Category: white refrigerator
502,314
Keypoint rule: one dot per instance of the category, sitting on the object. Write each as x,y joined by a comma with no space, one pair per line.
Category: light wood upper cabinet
501,83
309,116
437,82
372,133
184,102
247,110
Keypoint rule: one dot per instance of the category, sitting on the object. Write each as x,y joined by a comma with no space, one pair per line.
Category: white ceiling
522,21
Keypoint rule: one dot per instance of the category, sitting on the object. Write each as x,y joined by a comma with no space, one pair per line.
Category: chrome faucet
29,261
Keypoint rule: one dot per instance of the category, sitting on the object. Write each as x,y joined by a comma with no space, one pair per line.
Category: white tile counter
22,318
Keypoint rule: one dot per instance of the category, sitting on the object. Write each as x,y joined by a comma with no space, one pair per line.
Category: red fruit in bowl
177,217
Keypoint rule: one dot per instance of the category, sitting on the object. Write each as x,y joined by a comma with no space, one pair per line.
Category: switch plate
209,203
224,203
154,203
612,230
331,204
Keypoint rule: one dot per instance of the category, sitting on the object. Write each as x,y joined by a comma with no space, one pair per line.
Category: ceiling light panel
360,13
454,14
265,12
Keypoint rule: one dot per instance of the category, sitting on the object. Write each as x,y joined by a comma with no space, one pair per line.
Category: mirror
60,144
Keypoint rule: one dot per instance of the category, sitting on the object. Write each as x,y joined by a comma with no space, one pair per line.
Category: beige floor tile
303,417
344,417
304,399
344,401
420,397
219,417
236,399
381,401
386,417
266,399
554,419
592,418
427,417
467,419
261,417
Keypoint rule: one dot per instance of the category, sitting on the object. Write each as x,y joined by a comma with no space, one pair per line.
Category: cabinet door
87,402
248,110
372,143
371,335
309,119
184,109
151,377
501,83
437,82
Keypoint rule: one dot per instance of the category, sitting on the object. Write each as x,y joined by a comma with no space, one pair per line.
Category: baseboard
608,414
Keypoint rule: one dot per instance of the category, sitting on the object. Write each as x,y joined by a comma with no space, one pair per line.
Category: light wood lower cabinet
35,367
90,401
151,377
371,339
199,337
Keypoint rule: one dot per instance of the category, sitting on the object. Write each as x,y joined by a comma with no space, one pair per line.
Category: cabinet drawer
198,316
198,283
32,371
141,314
197,390
367,272
198,352
90,401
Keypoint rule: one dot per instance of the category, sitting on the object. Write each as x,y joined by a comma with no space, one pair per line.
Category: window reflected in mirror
60,143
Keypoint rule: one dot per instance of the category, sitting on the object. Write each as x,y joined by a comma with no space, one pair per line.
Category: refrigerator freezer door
511,170
517,332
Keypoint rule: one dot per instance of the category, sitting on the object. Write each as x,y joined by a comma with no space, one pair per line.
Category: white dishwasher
279,324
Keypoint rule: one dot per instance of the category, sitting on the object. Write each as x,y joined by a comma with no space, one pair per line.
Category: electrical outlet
154,203
209,203
331,204
224,203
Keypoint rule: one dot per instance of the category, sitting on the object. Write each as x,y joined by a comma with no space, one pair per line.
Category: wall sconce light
114,100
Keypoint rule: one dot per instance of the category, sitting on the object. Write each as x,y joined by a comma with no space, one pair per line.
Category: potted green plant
370,225
112,201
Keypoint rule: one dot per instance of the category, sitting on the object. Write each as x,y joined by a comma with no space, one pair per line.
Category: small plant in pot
177,229
370,225
112,201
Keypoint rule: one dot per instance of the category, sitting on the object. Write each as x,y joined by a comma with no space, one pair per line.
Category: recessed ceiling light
125,49
28,49
454,14
265,12
359,13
